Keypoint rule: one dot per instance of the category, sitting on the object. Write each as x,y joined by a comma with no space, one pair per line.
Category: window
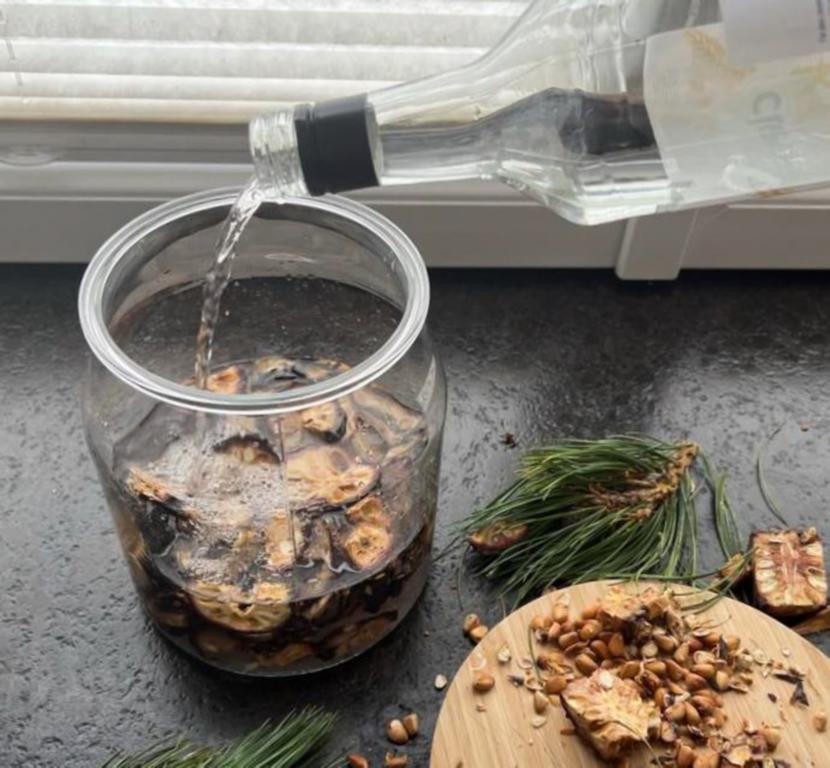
110,106
223,61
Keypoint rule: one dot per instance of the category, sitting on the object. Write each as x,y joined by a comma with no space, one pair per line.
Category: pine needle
179,754
762,481
621,507
725,525
295,742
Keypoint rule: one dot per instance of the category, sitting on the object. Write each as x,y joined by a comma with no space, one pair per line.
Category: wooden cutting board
502,736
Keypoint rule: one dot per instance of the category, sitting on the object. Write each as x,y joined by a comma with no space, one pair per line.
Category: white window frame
61,211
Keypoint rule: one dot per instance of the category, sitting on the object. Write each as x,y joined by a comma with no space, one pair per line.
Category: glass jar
281,520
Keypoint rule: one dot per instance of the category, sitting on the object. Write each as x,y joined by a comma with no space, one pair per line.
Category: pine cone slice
609,713
789,574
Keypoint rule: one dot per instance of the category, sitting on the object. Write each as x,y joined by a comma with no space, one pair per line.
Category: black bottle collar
333,144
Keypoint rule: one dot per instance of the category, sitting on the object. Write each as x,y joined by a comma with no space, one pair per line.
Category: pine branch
620,507
295,742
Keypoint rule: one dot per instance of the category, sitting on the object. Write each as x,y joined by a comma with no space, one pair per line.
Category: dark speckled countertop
722,358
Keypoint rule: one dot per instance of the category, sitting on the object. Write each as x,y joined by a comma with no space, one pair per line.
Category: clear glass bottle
600,109
281,520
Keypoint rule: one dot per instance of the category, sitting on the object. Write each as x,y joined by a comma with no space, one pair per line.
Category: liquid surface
327,319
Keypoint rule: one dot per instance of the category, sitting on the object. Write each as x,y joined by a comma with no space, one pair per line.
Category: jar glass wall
281,520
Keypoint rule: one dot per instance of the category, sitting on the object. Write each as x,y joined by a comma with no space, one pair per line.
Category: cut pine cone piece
789,574
496,538
648,492
819,622
609,713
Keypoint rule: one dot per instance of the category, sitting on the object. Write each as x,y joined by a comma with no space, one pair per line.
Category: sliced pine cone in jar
609,713
228,381
355,637
369,510
248,448
327,421
380,429
275,374
264,608
159,488
313,540
327,477
293,435
221,545
280,546
367,546
169,608
244,438
217,560
319,369
392,420
166,509
789,573
215,642
324,609
137,563
363,439
287,656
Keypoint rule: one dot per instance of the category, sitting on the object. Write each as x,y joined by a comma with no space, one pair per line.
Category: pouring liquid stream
219,275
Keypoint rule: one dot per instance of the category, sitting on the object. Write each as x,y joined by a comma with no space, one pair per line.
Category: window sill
61,211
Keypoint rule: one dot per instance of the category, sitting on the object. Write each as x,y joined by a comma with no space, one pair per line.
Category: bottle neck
273,144
325,146
413,132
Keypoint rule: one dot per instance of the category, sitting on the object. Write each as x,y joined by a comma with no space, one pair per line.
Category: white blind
223,61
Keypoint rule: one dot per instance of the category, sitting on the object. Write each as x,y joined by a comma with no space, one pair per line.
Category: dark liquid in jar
277,544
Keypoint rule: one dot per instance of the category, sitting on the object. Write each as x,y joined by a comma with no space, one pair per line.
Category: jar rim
103,265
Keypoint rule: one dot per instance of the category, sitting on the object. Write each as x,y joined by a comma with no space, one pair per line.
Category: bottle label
762,30
726,130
